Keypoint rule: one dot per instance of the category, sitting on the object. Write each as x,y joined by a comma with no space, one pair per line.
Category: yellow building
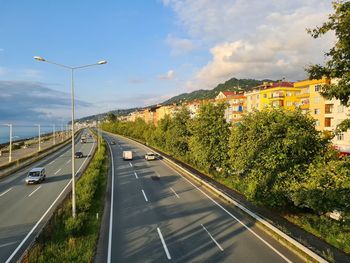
312,101
280,94
162,111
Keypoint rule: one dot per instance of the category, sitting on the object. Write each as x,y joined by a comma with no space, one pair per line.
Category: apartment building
235,104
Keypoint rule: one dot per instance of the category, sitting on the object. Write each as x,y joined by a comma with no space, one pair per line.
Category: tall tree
338,64
210,135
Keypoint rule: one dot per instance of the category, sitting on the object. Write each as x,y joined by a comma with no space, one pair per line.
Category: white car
36,175
150,156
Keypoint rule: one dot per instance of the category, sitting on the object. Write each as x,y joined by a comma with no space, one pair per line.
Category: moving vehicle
150,156
127,155
78,155
36,175
113,142
83,140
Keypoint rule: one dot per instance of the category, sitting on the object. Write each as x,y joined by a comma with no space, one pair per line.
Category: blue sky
155,49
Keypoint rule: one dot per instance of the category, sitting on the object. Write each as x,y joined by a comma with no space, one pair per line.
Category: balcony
276,96
303,95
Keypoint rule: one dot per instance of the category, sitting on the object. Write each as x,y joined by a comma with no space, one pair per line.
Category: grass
333,232
74,240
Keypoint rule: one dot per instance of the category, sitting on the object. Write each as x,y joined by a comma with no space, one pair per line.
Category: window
340,137
297,93
327,122
316,111
289,94
317,123
251,97
289,103
318,88
265,96
317,100
328,108
257,96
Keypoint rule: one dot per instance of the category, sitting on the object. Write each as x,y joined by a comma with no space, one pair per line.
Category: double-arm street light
72,69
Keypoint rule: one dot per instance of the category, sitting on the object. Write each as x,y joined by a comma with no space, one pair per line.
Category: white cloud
253,39
168,76
180,46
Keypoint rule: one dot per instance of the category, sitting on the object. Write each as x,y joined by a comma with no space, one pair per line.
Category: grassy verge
74,240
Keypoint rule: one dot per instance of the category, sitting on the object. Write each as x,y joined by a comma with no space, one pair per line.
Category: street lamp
102,62
53,134
39,136
10,151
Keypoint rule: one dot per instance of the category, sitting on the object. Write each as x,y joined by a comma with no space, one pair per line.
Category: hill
232,84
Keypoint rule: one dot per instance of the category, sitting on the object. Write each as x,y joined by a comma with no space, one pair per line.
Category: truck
127,155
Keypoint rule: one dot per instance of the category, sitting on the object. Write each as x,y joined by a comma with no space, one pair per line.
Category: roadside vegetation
275,158
74,240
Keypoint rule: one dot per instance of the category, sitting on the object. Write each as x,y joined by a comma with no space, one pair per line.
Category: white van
36,175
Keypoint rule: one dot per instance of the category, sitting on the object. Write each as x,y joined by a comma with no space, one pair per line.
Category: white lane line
68,161
34,191
8,244
57,171
130,164
8,190
43,216
174,192
136,175
213,238
144,195
109,258
52,162
231,215
164,245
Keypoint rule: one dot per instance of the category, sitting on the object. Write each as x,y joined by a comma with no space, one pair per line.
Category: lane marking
68,161
136,175
164,245
109,258
144,195
52,162
8,244
43,216
57,171
130,164
34,191
174,192
230,214
213,238
8,190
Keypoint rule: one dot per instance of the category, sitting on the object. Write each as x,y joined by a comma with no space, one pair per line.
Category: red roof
283,84
229,93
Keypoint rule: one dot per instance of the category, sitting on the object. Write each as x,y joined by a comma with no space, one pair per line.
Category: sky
155,49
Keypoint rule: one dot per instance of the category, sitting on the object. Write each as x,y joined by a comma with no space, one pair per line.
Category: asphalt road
154,214
24,208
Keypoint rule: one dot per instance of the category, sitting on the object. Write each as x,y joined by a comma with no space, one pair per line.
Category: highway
24,208
154,214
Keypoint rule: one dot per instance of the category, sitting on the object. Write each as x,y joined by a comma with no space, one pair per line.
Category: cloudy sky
155,49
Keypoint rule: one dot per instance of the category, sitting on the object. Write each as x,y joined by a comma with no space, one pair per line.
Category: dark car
78,155
113,142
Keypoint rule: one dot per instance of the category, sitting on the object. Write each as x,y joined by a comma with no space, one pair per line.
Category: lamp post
72,69
39,141
53,134
10,150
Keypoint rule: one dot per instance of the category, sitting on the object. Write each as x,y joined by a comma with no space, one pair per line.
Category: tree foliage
338,64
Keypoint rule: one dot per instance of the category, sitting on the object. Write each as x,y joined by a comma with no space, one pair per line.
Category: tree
338,64
111,117
270,149
209,140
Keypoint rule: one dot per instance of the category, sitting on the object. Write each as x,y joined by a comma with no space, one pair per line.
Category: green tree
269,149
338,64
111,117
210,135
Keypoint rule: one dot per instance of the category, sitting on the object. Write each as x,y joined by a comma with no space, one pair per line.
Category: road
24,208
154,214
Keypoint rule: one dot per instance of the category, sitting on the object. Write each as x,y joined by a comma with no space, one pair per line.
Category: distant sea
20,132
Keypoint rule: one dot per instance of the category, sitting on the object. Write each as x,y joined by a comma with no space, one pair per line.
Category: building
311,101
193,107
253,97
162,111
279,94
